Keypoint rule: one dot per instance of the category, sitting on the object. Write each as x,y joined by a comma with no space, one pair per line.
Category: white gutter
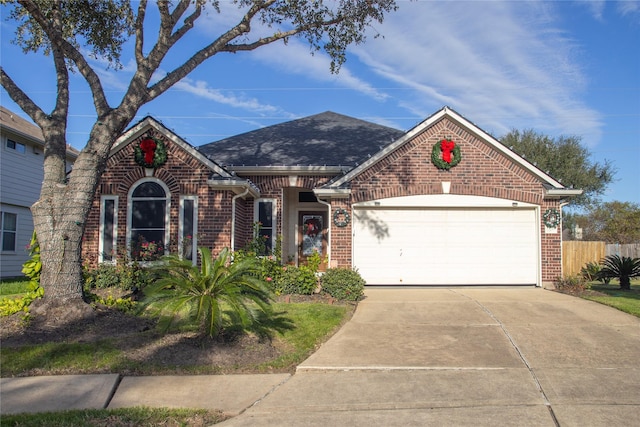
233,217
559,193
333,193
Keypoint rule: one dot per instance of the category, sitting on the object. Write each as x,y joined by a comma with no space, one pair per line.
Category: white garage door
446,246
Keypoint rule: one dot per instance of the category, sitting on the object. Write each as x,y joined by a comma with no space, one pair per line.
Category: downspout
233,217
562,205
328,205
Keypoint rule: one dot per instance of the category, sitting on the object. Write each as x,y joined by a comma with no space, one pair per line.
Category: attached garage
446,240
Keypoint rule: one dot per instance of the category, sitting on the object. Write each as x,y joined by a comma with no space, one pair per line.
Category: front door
312,236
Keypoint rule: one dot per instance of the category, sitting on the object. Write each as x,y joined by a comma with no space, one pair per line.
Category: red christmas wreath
150,152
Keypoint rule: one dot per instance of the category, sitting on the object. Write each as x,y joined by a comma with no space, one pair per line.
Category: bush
216,295
32,268
128,276
343,284
295,280
570,284
592,271
624,268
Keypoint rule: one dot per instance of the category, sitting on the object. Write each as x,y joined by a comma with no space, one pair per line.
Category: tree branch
22,99
142,8
58,41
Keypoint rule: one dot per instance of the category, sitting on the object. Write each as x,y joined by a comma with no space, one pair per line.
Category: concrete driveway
466,356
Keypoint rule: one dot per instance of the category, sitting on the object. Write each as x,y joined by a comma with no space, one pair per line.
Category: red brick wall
482,172
183,175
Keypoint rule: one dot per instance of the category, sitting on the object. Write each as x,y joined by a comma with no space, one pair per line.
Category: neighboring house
442,204
21,175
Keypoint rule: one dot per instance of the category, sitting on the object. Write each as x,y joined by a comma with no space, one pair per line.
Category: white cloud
501,64
201,89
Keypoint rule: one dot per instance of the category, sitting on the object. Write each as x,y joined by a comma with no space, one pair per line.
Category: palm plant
624,268
215,295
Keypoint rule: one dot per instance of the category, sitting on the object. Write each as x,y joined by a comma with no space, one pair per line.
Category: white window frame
2,231
23,147
194,234
103,199
274,217
167,214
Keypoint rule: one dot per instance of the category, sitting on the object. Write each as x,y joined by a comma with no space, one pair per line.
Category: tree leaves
566,160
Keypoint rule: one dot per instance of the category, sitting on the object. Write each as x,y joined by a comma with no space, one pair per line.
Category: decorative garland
445,154
551,218
150,152
341,222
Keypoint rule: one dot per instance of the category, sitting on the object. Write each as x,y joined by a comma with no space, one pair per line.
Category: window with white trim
107,249
17,146
148,222
265,216
188,228
9,227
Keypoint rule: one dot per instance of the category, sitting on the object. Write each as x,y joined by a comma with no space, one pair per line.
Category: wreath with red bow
150,152
445,154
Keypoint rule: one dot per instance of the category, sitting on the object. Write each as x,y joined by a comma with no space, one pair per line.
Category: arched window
148,231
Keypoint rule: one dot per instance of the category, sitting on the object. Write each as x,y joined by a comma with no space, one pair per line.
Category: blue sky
560,68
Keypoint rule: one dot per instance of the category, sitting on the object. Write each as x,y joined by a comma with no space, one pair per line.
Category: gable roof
149,122
222,179
553,187
11,122
325,139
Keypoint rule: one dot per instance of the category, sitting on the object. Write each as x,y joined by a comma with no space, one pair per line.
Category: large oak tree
565,159
68,31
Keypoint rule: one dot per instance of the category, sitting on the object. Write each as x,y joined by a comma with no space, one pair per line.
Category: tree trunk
59,220
625,283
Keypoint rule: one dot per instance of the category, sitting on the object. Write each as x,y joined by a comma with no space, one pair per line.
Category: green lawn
13,287
301,328
627,301
126,417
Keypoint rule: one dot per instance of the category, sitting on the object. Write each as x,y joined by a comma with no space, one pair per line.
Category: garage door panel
446,246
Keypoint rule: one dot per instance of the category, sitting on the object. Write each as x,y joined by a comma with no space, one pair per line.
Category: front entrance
312,236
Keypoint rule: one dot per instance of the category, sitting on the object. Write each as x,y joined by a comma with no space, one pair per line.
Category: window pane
187,217
188,206
307,197
149,189
9,221
9,234
108,227
148,214
265,213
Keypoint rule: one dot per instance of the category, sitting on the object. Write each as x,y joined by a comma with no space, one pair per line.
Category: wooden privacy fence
576,253
631,250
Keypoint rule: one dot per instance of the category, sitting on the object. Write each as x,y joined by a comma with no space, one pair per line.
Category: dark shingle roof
326,139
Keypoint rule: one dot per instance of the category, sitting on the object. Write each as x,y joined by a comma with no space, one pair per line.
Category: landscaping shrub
624,268
590,271
295,280
571,284
31,268
343,284
124,275
217,294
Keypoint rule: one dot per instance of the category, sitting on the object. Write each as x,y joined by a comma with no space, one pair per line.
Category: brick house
442,204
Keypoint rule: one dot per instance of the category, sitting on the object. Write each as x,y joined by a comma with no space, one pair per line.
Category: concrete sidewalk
459,356
231,394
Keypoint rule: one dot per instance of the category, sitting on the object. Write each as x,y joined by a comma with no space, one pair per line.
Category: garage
446,240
